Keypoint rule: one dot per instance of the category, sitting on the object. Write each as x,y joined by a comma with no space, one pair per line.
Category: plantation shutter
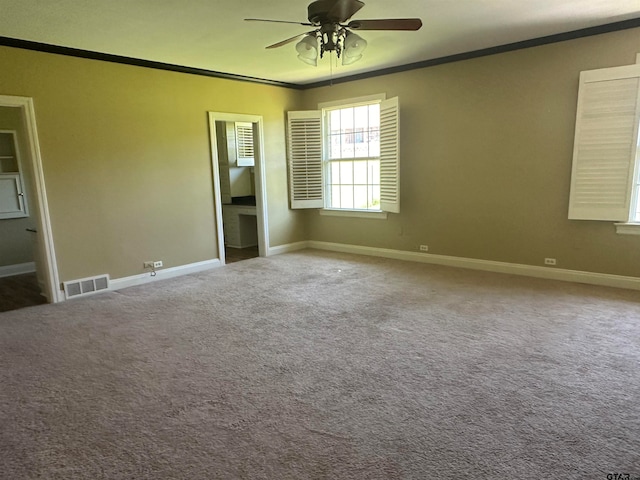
244,143
390,155
606,144
305,159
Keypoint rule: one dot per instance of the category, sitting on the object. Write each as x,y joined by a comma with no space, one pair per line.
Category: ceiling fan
333,34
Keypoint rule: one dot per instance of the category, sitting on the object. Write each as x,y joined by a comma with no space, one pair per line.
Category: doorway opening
239,185
28,273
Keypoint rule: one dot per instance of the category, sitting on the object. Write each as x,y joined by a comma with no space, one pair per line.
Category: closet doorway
28,273
239,185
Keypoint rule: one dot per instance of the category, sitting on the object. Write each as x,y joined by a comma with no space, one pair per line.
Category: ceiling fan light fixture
354,45
332,33
307,49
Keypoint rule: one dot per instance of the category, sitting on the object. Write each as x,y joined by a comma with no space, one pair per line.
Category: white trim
50,275
331,212
350,102
288,247
17,269
550,273
141,279
260,179
217,195
628,228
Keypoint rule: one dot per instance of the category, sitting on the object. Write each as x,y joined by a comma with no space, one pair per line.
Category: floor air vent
86,286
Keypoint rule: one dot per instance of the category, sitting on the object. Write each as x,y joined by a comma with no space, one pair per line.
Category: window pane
374,142
346,173
334,121
346,119
334,201
346,196
375,197
346,148
361,144
334,146
334,173
374,116
374,171
360,197
361,117
360,176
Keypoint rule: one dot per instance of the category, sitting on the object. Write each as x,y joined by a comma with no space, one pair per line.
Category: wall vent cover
85,286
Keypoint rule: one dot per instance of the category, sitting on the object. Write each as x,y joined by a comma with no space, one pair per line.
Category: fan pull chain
331,72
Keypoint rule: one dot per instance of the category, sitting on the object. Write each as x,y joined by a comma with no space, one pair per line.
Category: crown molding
510,47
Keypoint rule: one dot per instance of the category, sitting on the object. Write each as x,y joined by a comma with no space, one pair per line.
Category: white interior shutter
606,144
390,155
305,159
244,142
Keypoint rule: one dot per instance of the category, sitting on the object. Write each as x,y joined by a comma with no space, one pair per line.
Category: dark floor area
19,291
238,254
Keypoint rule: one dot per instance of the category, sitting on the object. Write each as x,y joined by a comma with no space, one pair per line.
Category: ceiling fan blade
343,10
289,40
410,24
277,21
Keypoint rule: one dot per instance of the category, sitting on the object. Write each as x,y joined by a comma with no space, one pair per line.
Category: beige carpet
315,365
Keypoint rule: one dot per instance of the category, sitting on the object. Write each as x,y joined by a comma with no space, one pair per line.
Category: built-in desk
240,225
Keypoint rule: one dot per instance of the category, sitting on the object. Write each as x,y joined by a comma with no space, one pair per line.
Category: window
346,157
605,180
352,178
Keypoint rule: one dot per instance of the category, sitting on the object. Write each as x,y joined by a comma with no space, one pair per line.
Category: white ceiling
211,34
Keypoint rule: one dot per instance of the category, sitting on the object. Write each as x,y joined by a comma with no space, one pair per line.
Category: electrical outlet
549,261
424,248
157,264
147,264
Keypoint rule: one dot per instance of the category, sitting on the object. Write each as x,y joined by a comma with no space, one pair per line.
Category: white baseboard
17,269
124,282
289,247
551,273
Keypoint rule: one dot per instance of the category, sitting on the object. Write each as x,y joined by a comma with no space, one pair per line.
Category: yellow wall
486,149
127,162
486,159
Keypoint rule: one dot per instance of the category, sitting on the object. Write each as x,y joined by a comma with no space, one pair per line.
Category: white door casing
46,255
260,179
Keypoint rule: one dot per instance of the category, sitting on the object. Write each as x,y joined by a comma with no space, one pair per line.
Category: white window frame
327,107
308,157
606,163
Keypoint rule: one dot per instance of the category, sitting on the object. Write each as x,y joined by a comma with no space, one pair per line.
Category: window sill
329,212
628,228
